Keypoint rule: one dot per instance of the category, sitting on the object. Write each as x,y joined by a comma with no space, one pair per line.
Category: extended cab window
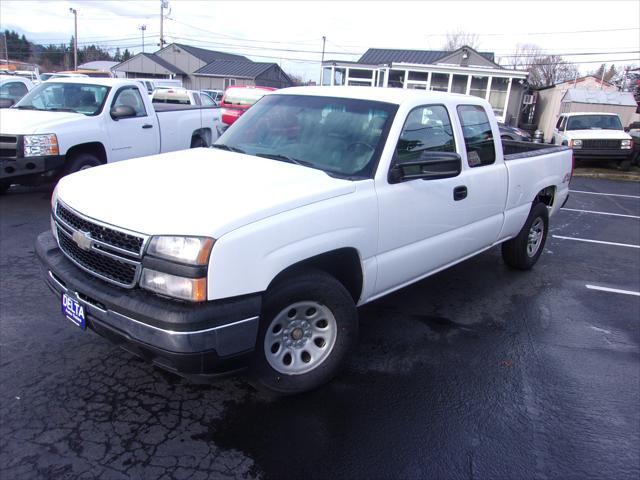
478,137
131,96
426,128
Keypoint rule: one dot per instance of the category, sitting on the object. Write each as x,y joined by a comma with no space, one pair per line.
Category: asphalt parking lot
477,372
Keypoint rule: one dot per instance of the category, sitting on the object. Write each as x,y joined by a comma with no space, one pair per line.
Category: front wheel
198,142
81,161
308,325
523,251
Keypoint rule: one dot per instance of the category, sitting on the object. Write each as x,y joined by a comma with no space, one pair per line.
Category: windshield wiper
27,107
59,109
286,158
229,148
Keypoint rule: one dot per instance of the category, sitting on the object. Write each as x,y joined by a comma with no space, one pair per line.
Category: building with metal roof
202,69
463,71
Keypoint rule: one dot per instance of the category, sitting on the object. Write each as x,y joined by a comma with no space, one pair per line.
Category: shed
589,100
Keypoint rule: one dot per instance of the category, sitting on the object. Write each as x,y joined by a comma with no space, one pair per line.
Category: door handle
460,193
146,125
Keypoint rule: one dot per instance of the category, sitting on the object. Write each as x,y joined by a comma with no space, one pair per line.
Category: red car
237,100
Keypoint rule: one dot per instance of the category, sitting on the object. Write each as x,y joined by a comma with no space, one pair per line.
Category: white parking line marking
600,213
613,290
605,194
596,241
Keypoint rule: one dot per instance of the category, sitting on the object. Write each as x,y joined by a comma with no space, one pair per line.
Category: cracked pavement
477,372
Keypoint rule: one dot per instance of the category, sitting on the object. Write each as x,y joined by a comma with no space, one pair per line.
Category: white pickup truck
318,200
65,125
594,135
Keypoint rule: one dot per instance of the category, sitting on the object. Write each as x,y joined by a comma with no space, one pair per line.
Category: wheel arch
94,148
344,264
205,134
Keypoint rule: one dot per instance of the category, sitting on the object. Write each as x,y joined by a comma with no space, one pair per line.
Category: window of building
459,84
440,82
419,76
427,128
326,76
479,86
360,73
396,79
381,78
228,82
339,76
478,136
498,95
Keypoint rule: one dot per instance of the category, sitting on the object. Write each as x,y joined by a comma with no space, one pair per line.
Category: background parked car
634,131
48,76
215,94
12,89
181,96
512,133
237,100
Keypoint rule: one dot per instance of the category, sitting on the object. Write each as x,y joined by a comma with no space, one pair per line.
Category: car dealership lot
487,373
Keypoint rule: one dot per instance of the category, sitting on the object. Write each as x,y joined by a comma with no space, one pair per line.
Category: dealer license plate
73,310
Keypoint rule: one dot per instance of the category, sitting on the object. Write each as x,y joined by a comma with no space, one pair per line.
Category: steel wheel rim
300,338
534,240
84,167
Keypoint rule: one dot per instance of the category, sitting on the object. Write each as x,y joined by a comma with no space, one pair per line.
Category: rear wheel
308,325
523,251
4,186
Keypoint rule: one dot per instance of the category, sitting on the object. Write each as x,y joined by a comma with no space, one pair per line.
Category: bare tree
544,70
457,39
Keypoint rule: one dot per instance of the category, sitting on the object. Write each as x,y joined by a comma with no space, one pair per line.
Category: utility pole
142,28
6,50
75,37
324,41
163,4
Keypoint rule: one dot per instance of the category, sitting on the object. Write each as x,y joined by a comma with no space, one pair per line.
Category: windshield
594,122
243,96
340,136
65,97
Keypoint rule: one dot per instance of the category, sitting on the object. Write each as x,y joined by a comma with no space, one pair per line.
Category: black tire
4,186
515,252
625,165
198,142
307,286
553,141
81,161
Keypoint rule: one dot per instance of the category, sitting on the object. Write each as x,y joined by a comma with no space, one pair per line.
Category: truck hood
20,122
200,191
597,134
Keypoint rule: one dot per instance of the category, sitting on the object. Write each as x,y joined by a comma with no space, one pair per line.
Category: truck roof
388,95
575,114
106,82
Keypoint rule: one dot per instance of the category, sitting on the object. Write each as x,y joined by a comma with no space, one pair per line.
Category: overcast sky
255,29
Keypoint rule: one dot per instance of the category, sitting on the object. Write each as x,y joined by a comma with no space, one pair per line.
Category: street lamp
75,37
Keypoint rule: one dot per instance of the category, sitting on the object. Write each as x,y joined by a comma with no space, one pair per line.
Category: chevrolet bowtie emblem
83,240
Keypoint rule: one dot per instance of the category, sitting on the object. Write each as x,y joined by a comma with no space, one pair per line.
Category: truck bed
514,150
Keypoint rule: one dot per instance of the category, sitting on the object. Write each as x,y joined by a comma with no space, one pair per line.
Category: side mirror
122,111
626,129
6,102
429,166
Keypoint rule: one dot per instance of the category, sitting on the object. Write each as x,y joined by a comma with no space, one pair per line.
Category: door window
131,97
427,128
560,121
13,90
478,136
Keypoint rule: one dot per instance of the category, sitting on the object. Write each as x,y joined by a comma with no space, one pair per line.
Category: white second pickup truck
68,124
318,200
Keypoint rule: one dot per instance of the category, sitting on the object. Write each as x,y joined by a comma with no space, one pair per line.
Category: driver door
135,136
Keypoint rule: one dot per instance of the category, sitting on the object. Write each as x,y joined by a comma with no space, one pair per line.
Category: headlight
193,289
575,144
626,143
191,250
40,145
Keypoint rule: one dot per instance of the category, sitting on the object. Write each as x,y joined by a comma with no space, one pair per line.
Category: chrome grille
601,144
111,237
112,254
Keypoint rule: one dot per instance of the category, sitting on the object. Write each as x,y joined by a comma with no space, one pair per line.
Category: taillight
230,115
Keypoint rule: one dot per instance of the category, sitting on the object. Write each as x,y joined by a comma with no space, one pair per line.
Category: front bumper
206,339
18,169
618,154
